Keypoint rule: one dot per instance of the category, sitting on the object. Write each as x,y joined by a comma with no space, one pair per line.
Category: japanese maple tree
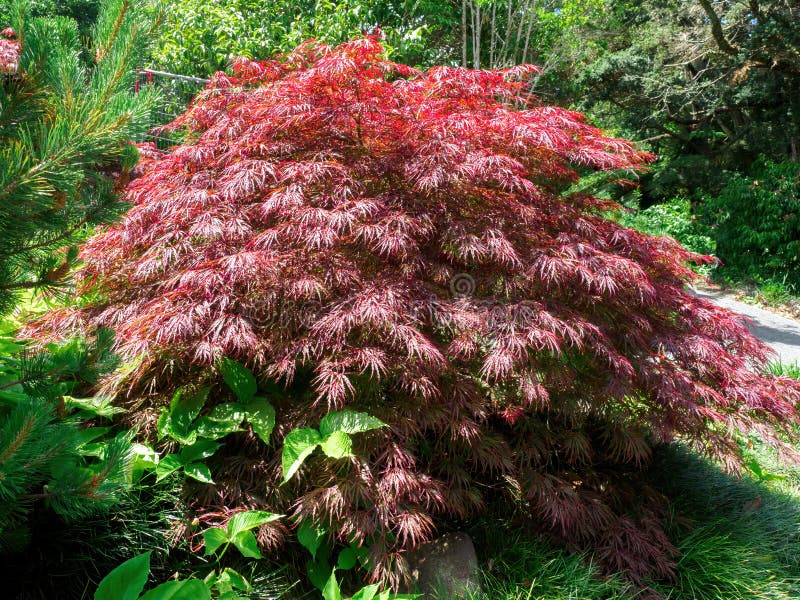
371,237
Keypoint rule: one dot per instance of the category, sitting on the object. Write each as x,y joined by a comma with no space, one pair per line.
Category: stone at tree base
445,568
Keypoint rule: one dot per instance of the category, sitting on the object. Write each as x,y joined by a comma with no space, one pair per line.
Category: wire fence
176,92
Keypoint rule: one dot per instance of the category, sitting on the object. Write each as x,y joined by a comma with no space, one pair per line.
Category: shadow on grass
739,540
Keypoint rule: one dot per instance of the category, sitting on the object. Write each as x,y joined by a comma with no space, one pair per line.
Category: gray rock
445,568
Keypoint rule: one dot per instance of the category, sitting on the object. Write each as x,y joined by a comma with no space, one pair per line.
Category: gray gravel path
781,333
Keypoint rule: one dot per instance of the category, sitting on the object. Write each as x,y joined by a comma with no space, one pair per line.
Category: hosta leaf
348,421
249,519
337,445
214,538
296,447
198,471
239,378
188,589
168,464
261,416
199,450
126,581
246,543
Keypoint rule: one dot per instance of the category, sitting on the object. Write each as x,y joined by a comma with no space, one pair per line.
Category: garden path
779,332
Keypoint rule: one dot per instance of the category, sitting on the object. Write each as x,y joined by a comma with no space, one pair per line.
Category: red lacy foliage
9,52
400,243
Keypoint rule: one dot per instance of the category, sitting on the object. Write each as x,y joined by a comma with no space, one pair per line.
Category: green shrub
756,223
674,219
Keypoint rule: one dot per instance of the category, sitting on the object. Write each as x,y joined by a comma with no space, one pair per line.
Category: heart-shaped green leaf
199,450
188,589
331,590
125,582
310,538
239,378
296,447
184,409
366,593
348,421
337,445
214,538
249,519
261,416
168,464
198,471
246,543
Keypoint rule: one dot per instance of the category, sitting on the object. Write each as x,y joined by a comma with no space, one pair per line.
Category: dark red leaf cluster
399,243
9,52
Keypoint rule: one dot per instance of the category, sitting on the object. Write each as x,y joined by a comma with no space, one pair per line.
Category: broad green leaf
348,421
97,405
318,573
331,590
245,541
366,593
168,464
239,378
188,589
144,459
310,538
232,579
347,559
214,538
249,519
84,436
184,409
97,450
337,445
221,421
198,471
261,416
210,429
125,582
163,423
9,347
228,412
296,447
184,439
199,450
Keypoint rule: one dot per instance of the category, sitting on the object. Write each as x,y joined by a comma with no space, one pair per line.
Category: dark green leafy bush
756,223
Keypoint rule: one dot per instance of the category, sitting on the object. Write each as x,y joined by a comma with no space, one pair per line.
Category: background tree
709,86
